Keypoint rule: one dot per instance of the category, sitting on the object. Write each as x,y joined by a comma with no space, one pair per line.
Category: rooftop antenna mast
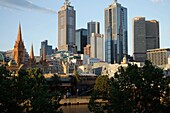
67,2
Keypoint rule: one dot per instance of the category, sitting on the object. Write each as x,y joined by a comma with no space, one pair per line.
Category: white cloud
24,5
157,1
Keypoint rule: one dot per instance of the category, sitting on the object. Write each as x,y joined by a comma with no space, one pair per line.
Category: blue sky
38,19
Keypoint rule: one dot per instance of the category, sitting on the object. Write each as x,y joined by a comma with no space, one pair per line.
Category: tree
27,92
137,90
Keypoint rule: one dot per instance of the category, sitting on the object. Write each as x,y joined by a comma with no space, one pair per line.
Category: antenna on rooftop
67,2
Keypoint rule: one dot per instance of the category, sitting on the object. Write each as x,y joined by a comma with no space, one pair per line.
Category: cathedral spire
32,52
19,37
115,1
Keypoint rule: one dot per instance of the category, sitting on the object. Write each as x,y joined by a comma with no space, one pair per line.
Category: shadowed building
116,39
145,37
81,40
48,48
92,27
66,27
19,48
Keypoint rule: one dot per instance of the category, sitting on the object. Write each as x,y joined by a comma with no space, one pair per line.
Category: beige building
145,36
87,50
66,27
158,56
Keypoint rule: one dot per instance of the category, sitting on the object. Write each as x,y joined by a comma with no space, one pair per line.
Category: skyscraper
97,46
145,37
46,48
81,40
19,48
92,27
66,27
116,39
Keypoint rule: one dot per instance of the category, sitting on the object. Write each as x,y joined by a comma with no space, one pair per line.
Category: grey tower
145,37
92,27
66,27
116,40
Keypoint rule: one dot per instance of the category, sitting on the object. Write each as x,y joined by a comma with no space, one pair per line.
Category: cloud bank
24,5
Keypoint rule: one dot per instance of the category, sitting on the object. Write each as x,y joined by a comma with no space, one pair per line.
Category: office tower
145,36
66,27
81,40
116,39
92,27
19,48
97,46
158,56
47,48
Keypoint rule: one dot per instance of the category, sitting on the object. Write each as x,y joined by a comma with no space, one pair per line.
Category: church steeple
32,52
19,37
31,61
19,48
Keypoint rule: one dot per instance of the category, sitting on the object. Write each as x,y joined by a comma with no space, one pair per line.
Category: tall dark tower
19,48
66,27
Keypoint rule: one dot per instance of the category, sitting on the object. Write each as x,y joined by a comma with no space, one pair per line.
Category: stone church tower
19,48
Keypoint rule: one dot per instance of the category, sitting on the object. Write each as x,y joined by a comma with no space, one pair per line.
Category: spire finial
19,38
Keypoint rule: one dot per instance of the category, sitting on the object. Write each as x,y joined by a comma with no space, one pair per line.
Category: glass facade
115,33
81,40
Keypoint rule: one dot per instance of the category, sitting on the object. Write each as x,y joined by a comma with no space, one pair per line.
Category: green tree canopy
136,90
28,92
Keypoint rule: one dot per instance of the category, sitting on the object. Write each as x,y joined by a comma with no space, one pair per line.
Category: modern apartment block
92,27
145,37
81,40
97,45
116,39
158,56
66,27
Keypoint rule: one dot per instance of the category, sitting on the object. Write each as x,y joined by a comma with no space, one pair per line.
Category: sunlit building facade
116,39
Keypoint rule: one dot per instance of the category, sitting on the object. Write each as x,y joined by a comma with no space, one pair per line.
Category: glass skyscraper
116,39
81,40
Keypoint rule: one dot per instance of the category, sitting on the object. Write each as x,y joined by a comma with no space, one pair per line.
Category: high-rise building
116,39
81,40
92,27
19,49
97,46
145,37
66,27
47,48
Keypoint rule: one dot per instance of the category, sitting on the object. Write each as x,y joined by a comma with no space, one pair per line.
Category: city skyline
41,23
